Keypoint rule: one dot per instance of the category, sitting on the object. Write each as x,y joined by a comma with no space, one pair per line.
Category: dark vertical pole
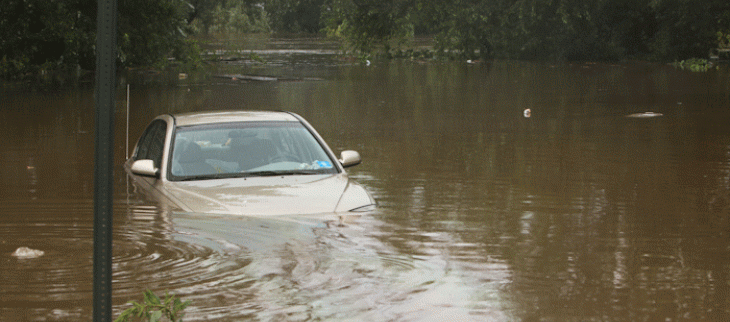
106,55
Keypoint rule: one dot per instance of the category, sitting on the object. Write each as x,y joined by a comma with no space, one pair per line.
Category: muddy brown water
577,213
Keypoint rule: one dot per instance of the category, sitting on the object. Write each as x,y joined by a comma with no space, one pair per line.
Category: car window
231,149
152,142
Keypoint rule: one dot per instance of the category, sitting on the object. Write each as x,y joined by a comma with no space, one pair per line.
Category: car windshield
246,149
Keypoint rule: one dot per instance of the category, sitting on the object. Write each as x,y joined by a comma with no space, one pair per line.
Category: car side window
152,142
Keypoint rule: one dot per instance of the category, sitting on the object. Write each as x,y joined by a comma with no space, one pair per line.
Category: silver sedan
244,162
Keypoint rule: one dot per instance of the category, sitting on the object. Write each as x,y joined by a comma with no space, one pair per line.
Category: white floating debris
527,112
25,252
645,115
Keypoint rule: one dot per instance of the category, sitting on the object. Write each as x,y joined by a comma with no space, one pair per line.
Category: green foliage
687,28
723,40
369,25
523,29
151,32
531,29
228,17
295,16
694,64
39,35
153,309
466,28
49,35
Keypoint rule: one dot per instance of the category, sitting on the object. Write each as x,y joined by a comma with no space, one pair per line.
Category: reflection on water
315,269
577,213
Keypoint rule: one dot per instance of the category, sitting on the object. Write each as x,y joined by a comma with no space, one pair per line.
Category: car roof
197,118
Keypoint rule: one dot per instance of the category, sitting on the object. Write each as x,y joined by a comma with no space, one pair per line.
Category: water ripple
234,268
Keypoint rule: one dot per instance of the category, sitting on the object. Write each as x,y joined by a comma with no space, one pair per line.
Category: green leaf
124,317
153,298
168,299
137,307
142,312
184,305
155,316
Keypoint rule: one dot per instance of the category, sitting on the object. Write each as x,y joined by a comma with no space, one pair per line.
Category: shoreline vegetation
42,37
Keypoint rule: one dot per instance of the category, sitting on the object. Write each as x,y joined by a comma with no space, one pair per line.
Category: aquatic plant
153,308
694,64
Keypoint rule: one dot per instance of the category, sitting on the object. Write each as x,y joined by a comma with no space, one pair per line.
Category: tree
468,28
228,16
295,16
687,28
579,30
151,31
42,34
367,25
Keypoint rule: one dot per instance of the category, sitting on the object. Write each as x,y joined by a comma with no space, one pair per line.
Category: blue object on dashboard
324,164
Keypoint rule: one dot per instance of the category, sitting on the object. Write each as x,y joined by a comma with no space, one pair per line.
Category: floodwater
575,213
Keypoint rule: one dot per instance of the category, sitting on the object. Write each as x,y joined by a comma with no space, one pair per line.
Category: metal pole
106,53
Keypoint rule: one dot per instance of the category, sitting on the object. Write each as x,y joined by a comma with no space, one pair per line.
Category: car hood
275,195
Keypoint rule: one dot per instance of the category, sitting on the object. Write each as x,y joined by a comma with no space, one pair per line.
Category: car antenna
126,153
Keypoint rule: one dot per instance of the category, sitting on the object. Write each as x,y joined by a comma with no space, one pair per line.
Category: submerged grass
154,309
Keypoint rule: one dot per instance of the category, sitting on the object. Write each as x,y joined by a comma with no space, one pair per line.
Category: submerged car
244,162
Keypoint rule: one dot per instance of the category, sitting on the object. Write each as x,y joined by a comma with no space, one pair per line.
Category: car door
151,146
152,143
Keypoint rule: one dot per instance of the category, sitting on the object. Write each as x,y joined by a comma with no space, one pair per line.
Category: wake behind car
244,162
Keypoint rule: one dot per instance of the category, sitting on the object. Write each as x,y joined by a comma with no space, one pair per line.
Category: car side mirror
145,168
349,158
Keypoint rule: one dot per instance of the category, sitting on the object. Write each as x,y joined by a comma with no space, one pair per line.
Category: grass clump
694,64
154,309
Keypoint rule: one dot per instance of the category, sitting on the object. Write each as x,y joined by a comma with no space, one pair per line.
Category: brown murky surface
577,213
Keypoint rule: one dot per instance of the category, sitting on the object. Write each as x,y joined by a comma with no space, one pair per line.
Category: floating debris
257,78
25,252
644,115
527,112
249,78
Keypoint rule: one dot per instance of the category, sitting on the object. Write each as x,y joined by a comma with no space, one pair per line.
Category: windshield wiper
269,173
208,176
263,173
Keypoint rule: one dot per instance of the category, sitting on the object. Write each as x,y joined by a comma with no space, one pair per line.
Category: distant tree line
61,34
45,34
664,30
